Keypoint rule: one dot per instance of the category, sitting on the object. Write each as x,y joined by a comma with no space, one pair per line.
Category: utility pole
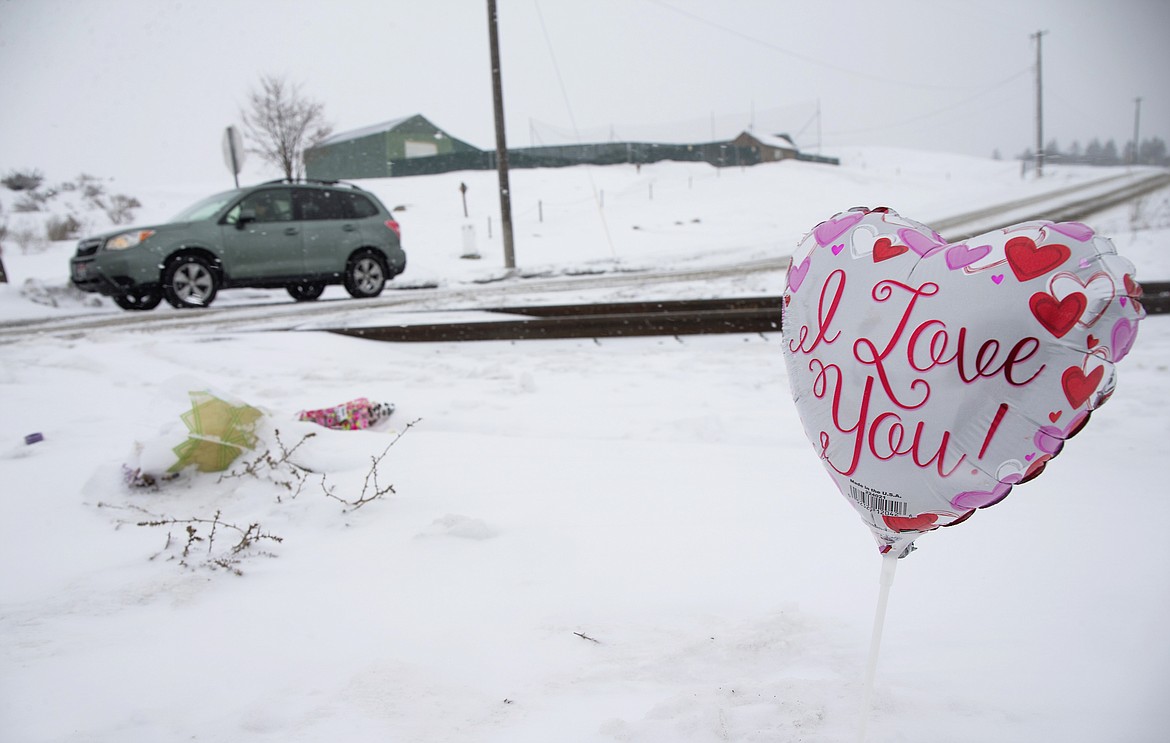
501,143
818,126
1039,108
1137,115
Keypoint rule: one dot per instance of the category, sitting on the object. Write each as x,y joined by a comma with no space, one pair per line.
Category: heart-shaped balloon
931,378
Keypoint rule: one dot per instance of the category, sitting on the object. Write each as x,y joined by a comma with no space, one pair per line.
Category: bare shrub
219,544
62,228
91,187
28,241
23,180
198,547
29,202
120,208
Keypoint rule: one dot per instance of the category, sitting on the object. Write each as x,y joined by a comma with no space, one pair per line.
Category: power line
811,60
573,120
936,112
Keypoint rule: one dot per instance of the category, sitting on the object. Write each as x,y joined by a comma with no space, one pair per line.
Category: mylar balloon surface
932,377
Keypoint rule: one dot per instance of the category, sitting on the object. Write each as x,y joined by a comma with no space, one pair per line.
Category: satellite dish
233,152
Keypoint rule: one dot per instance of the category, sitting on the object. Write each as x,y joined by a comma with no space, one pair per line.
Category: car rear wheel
139,299
189,281
365,276
305,292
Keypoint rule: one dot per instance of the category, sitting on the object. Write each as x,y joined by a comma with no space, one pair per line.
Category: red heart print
1132,288
1078,386
1036,467
921,522
1093,340
1054,416
1029,260
1058,316
884,249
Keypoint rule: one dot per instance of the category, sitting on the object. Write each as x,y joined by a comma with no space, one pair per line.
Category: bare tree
280,124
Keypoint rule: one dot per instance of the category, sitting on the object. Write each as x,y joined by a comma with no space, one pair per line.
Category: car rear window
313,204
359,207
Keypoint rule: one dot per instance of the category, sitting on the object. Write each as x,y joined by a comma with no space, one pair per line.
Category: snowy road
278,313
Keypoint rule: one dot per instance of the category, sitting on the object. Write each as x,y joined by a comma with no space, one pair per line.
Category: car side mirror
246,216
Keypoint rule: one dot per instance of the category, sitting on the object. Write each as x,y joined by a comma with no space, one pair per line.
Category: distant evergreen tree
1129,154
1109,155
1150,152
1093,152
1153,152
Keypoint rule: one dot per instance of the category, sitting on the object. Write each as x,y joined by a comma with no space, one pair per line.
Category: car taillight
393,226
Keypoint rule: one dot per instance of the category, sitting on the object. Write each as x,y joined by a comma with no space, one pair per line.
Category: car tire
365,275
138,299
189,281
305,292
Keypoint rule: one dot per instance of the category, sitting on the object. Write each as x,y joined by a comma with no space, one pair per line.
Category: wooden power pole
1039,107
501,143
1137,117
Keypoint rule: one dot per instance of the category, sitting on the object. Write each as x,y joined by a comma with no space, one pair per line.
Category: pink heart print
797,273
828,231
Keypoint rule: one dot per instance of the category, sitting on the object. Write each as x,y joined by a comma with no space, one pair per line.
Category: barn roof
365,131
777,141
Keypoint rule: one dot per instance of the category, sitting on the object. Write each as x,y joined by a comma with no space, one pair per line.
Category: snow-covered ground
620,540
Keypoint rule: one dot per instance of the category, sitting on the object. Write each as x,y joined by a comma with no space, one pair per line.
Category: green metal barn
371,152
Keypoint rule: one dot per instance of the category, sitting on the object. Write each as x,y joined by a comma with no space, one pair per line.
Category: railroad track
629,320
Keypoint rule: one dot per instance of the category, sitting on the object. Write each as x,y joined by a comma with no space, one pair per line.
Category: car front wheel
139,299
365,275
305,292
189,281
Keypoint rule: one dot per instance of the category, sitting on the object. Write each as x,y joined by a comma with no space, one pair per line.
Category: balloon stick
889,564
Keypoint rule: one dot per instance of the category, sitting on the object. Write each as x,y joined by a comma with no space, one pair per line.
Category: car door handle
349,227
291,230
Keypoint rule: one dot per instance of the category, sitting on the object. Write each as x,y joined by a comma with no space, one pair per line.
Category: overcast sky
141,90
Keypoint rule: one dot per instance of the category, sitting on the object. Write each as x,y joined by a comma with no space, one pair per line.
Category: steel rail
630,319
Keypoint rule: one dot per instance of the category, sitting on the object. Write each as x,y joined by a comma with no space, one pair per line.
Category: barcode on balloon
871,501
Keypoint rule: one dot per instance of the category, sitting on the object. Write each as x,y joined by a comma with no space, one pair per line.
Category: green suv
300,235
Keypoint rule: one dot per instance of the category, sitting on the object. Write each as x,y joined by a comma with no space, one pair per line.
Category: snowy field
614,540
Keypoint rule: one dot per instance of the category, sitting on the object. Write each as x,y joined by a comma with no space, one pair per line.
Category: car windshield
205,208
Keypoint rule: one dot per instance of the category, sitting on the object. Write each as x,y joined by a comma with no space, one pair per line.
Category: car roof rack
320,181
